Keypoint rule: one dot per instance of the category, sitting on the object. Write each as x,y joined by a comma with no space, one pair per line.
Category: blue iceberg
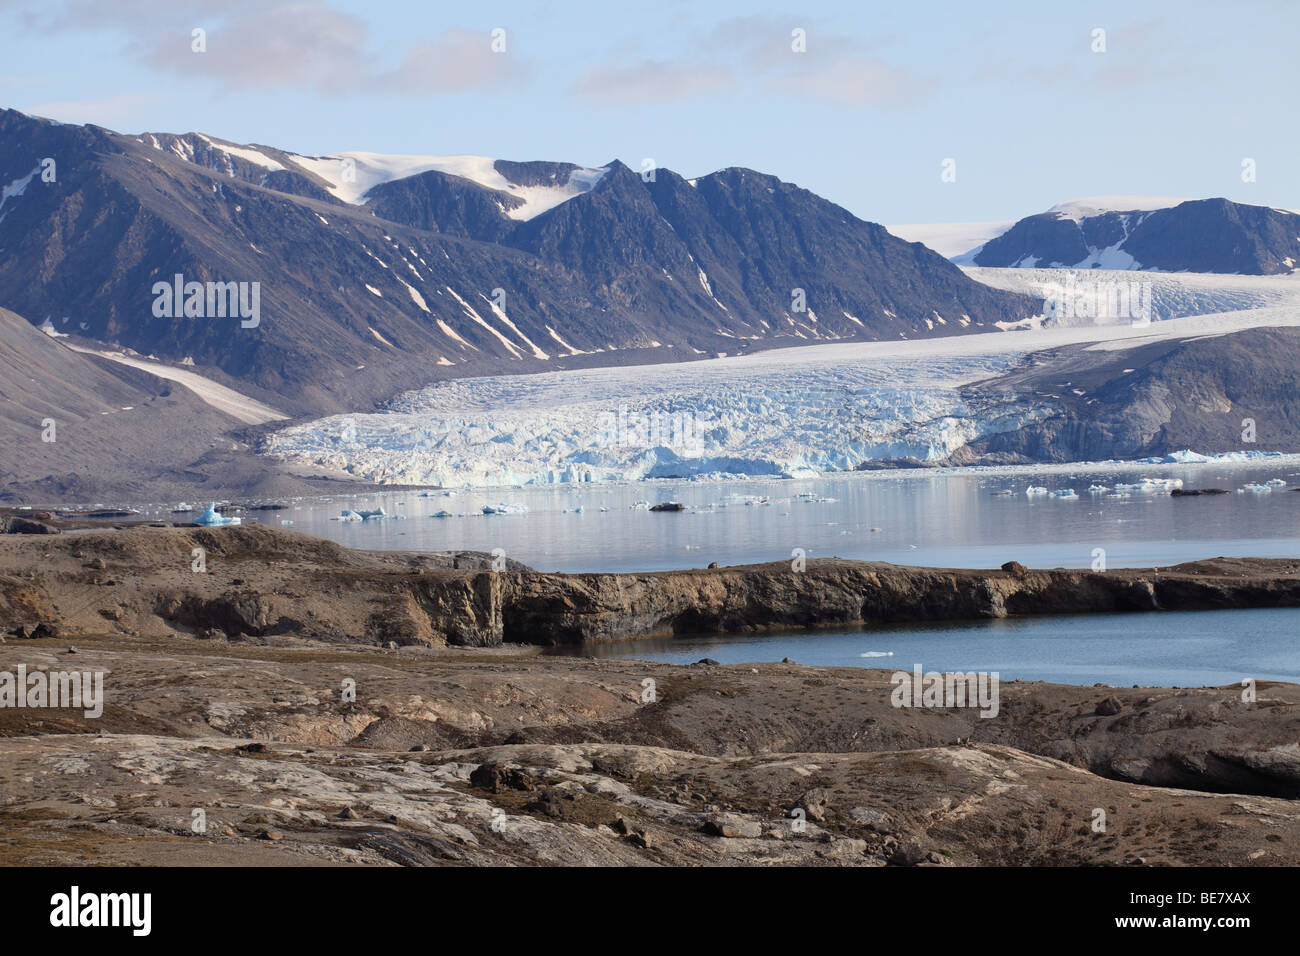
213,517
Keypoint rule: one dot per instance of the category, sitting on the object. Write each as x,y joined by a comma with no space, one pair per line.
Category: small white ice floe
1256,489
504,509
1067,494
1004,493
1276,483
1097,489
441,514
876,654
1035,491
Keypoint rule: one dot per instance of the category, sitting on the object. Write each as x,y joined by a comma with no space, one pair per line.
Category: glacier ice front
763,416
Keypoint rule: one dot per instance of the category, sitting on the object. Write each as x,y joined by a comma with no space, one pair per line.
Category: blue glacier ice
212,517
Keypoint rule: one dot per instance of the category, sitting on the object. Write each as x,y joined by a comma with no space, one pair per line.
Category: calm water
936,520
1175,649
944,520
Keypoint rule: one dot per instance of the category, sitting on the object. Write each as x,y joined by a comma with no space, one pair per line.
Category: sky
1022,105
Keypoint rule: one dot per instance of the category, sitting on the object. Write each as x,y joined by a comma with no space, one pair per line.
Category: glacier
771,416
788,413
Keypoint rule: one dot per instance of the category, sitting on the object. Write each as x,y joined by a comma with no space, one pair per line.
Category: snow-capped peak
1078,209
353,174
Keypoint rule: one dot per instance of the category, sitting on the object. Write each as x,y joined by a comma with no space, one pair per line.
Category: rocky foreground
300,703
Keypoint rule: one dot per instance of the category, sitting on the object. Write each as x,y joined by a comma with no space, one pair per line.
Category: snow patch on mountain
1078,209
351,175
245,153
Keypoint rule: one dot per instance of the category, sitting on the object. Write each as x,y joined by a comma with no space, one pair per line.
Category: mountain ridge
358,307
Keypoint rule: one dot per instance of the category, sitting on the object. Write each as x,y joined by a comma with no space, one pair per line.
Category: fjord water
938,520
1155,649
954,519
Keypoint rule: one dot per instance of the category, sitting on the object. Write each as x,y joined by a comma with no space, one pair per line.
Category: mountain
1153,399
1200,235
376,274
101,412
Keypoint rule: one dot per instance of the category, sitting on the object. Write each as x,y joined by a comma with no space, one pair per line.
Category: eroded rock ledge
262,583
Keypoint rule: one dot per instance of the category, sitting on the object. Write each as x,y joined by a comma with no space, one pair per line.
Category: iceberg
505,509
1035,491
213,518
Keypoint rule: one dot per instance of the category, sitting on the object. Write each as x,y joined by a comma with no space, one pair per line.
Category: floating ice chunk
442,514
1066,494
1187,456
347,514
212,517
1035,491
505,509
1097,489
1276,483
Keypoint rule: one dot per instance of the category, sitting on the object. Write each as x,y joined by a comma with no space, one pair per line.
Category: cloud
651,81
289,44
758,52
459,60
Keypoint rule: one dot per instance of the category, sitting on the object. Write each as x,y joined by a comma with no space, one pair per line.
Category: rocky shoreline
265,583
316,705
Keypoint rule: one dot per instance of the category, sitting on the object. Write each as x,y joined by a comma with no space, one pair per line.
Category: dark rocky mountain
361,300
1203,235
1156,399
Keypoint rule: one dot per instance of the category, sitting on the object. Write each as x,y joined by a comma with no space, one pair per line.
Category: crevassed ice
705,420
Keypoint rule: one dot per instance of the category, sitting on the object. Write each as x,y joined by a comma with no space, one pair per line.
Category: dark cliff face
1204,235
1158,399
1215,235
359,302
438,202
